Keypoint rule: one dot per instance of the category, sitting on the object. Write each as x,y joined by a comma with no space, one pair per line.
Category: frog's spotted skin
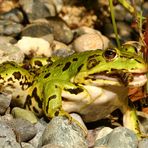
15,81
92,83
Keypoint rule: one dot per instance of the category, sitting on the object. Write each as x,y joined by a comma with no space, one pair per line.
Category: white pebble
35,46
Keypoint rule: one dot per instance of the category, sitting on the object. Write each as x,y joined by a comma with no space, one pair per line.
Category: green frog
90,83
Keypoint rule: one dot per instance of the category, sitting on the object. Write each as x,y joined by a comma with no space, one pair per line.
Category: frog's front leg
130,119
52,96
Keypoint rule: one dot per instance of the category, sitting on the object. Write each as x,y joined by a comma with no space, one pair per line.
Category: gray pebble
124,31
24,129
143,143
10,28
60,30
60,131
102,132
5,118
61,49
102,141
8,143
143,118
14,15
37,140
7,137
36,9
37,29
4,103
122,137
9,52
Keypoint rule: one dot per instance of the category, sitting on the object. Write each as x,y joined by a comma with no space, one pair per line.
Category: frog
91,83
14,81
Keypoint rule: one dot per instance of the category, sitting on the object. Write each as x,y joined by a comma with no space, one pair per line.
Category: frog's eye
110,54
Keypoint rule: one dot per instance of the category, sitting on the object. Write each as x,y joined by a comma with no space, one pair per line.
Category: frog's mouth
121,78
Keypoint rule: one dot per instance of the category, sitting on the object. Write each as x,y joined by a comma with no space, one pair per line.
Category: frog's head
114,67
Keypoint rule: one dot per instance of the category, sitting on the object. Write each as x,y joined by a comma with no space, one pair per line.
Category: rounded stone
124,138
4,103
61,49
34,46
60,30
143,143
14,15
36,9
9,52
36,29
10,28
37,140
90,41
60,132
7,137
24,129
24,114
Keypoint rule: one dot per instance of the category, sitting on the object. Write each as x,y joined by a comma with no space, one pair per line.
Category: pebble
7,5
4,103
77,15
58,4
26,145
9,52
61,49
120,13
120,136
143,143
86,30
7,137
14,15
34,46
37,140
24,114
103,132
38,28
143,118
38,9
10,28
90,41
124,31
23,129
59,131
7,39
6,118
60,30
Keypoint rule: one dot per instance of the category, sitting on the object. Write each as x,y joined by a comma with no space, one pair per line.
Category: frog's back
67,67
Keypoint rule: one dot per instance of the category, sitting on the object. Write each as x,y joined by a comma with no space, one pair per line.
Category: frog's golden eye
110,54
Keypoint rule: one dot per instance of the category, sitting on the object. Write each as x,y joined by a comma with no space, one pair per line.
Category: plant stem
114,22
